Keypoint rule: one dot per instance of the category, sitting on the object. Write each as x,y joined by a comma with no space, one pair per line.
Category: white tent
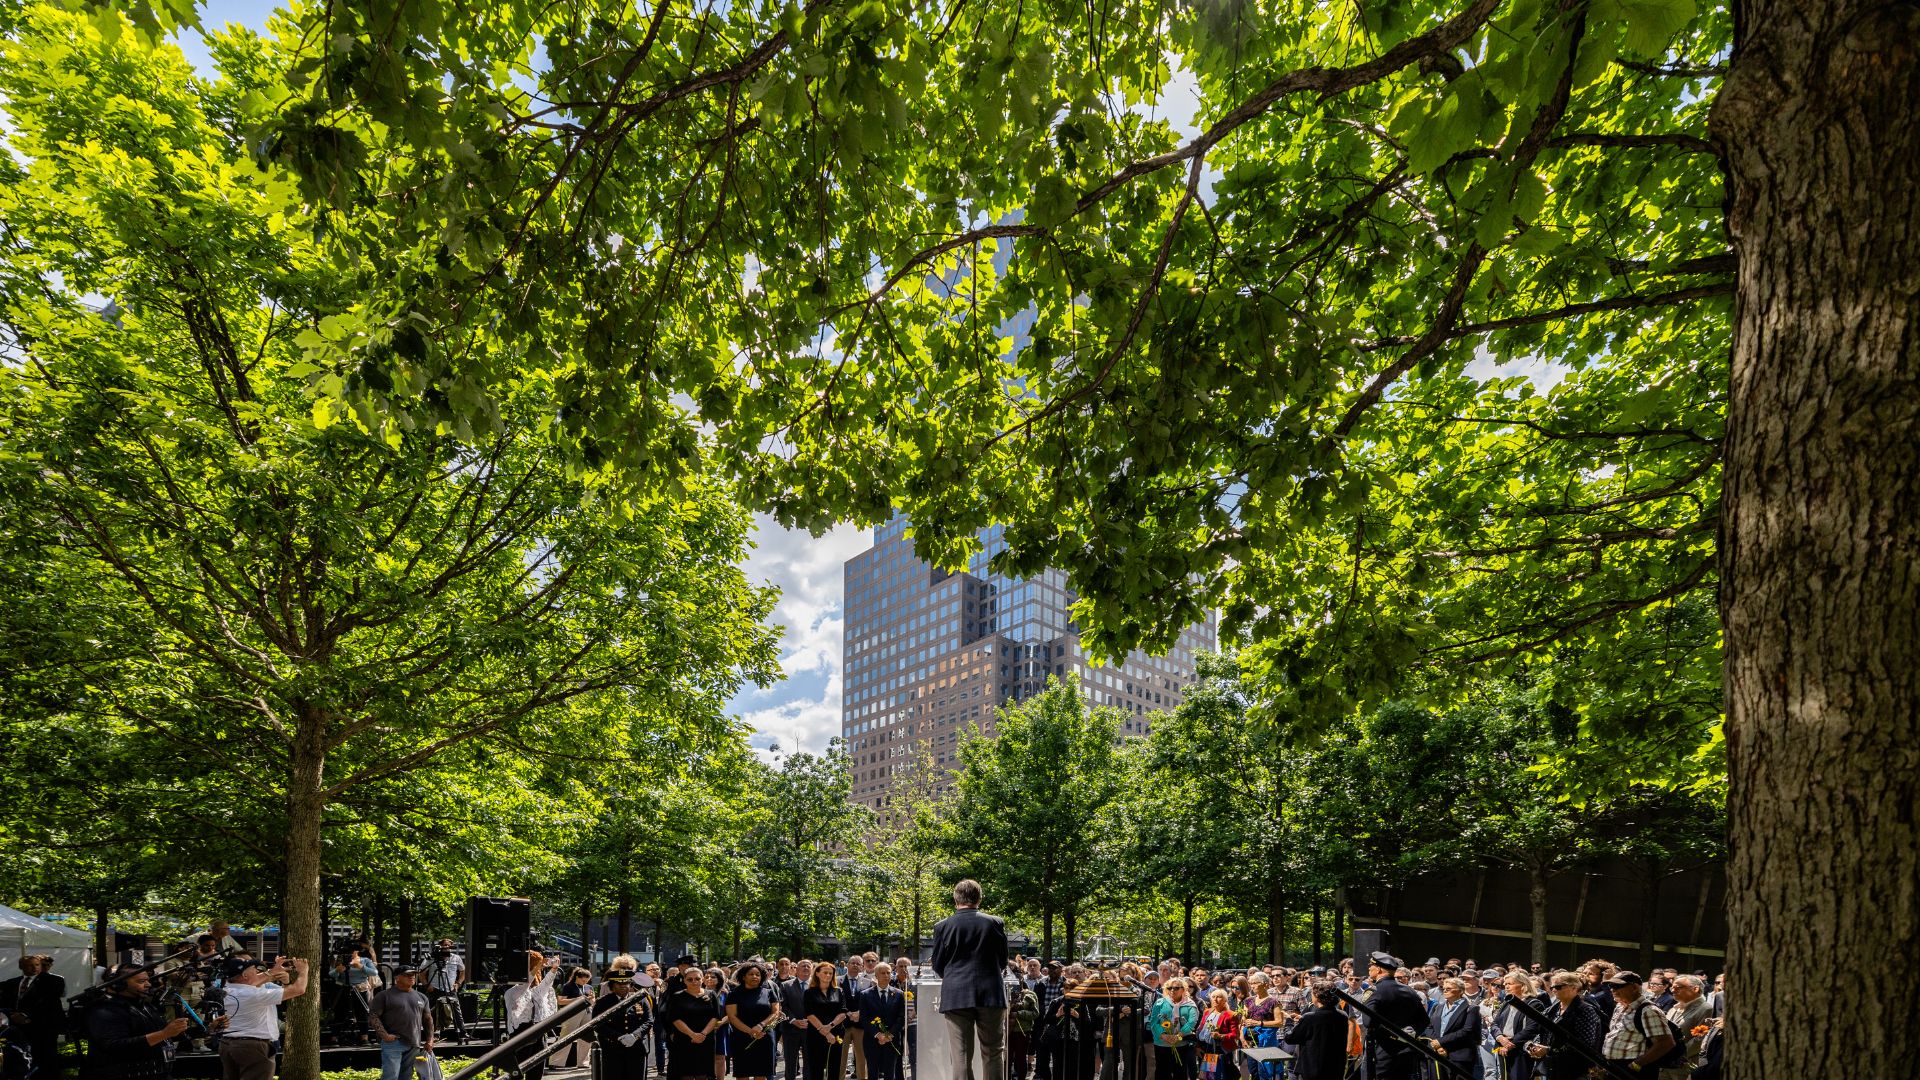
72,950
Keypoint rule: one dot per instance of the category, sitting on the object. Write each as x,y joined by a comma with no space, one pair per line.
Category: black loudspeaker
1365,944
499,933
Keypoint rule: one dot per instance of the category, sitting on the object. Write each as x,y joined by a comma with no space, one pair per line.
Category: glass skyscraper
930,654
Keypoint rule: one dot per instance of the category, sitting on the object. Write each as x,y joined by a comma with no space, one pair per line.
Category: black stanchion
1611,1067
509,1049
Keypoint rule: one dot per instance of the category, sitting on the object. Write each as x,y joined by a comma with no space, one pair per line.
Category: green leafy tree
1029,800
910,845
808,826
311,615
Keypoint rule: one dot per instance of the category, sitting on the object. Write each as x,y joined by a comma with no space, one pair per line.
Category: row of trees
1216,823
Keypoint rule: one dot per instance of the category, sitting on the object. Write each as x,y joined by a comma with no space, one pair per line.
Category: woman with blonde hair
1173,1021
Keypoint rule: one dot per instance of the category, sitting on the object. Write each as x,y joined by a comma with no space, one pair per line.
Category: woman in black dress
827,1009
749,1005
691,1017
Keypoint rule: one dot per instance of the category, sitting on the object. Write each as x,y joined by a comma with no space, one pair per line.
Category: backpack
1673,1058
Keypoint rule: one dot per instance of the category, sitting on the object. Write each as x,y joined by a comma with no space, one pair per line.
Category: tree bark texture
1537,903
1276,925
1820,548
301,936
102,938
404,930
1650,912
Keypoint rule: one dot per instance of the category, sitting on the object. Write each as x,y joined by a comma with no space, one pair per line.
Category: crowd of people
1190,1024
801,1020
857,1019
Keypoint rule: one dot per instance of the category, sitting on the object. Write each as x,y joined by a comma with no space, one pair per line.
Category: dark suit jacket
970,955
1462,1037
45,1004
1320,1045
1515,1064
1710,1051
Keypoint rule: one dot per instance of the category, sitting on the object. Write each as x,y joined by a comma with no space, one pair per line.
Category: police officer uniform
623,1058
1406,1012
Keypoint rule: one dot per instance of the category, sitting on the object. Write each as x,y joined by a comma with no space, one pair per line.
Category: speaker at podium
933,1045
935,1056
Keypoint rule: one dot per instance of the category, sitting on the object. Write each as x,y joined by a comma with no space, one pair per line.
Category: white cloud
803,712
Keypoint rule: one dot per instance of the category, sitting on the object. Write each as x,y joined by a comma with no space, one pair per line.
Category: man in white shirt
253,1015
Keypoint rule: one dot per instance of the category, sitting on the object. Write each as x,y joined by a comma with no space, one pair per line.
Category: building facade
930,654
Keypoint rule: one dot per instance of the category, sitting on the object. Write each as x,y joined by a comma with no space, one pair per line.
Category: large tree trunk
1046,932
1650,912
1186,931
1537,900
1820,546
1317,940
1276,924
1072,919
623,922
301,935
405,929
102,939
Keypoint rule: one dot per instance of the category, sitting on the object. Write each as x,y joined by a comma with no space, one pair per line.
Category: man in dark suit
1456,1026
969,954
36,1008
1320,1038
1401,1008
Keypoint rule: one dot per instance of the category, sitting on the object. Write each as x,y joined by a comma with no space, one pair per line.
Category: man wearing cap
403,1019
1404,1011
1637,1034
253,1014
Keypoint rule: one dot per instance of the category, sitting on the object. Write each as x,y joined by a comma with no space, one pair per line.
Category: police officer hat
1384,960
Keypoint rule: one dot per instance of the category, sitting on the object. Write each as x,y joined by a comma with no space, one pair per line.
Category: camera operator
126,1036
253,1018
445,973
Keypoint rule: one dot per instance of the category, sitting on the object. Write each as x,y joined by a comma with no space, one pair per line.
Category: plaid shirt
1632,1030
1049,993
